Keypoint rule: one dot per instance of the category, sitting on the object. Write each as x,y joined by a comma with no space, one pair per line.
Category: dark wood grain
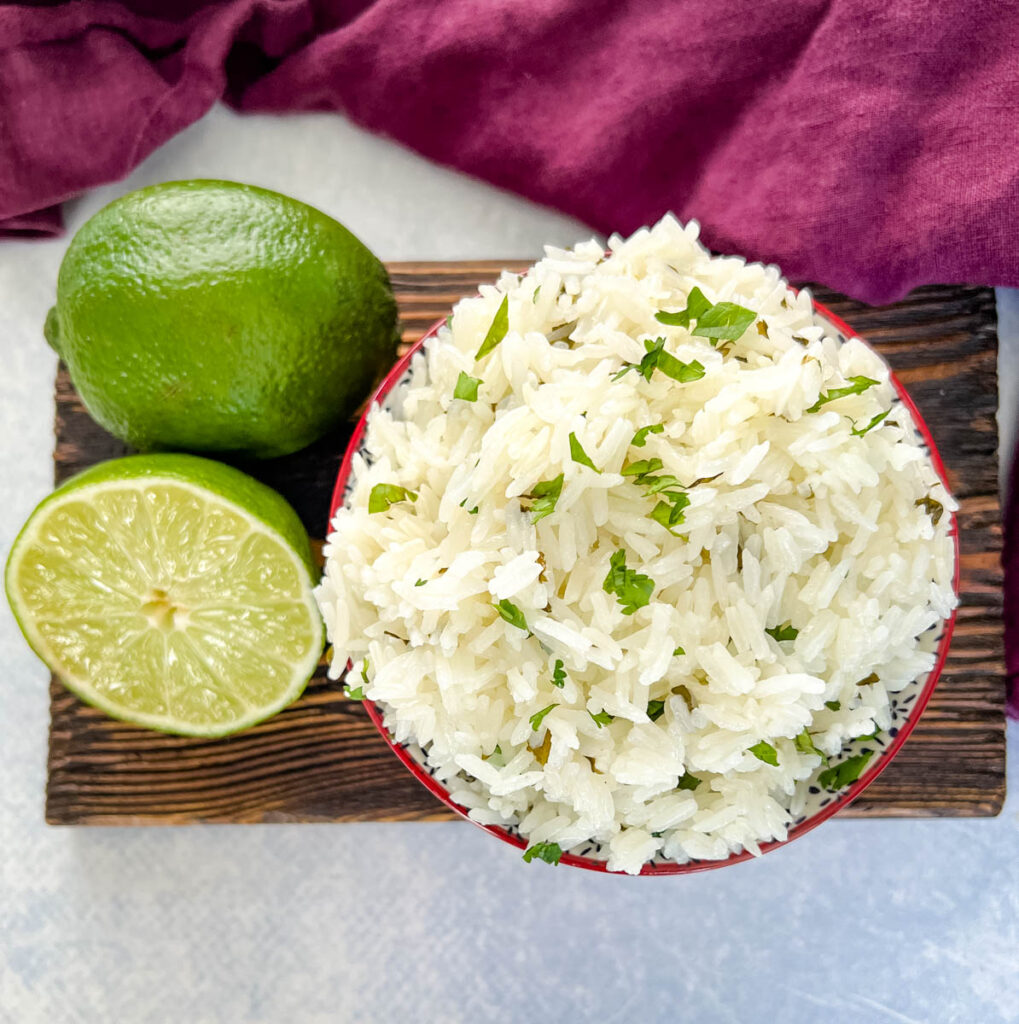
321,760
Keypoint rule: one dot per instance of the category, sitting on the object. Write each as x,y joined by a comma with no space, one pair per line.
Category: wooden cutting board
321,759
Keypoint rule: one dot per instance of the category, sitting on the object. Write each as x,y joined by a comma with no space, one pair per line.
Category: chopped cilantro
600,719
640,438
384,495
870,736
870,680
782,633
833,705
420,583
933,508
472,511
696,305
762,328
449,321
856,432
845,772
498,330
856,386
466,387
688,781
578,454
677,652
546,494
632,589
550,853
656,358
512,614
559,674
539,716
656,484
670,515
655,709
805,744
354,693
725,321
641,468
765,752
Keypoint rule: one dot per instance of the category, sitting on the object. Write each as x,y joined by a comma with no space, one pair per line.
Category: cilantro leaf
856,386
655,709
546,494
466,387
765,752
844,772
641,468
656,358
600,719
357,692
539,716
762,328
384,495
559,674
578,454
805,744
656,484
933,508
498,330
782,633
833,705
688,781
632,589
677,652
870,426
670,515
869,680
696,306
550,853
724,321
640,438
420,583
512,614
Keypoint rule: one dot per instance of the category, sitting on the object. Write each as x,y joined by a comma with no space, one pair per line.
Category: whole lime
215,316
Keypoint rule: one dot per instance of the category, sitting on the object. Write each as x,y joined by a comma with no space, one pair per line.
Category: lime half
170,591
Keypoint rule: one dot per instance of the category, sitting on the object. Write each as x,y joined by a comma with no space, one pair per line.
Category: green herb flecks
932,507
466,387
856,386
420,583
688,781
632,589
578,454
640,438
870,680
670,513
559,674
783,633
678,652
600,719
845,772
805,744
498,330
655,709
765,752
859,432
545,495
550,853
384,495
725,321
656,358
641,468
539,716
762,328
357,692
512,614
696,305
833,705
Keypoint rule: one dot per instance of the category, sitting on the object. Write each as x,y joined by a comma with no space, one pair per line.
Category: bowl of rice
642,561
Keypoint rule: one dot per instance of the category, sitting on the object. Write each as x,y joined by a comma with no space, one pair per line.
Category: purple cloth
872,145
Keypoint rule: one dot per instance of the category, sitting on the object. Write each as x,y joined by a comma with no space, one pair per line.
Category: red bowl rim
882,761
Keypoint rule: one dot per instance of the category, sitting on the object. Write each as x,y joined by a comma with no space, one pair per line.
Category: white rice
797,522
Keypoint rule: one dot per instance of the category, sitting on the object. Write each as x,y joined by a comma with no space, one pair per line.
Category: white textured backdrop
859,921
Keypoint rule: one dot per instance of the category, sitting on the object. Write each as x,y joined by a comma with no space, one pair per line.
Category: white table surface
859,921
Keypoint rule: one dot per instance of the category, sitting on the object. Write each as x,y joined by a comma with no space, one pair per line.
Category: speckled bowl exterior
819,804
